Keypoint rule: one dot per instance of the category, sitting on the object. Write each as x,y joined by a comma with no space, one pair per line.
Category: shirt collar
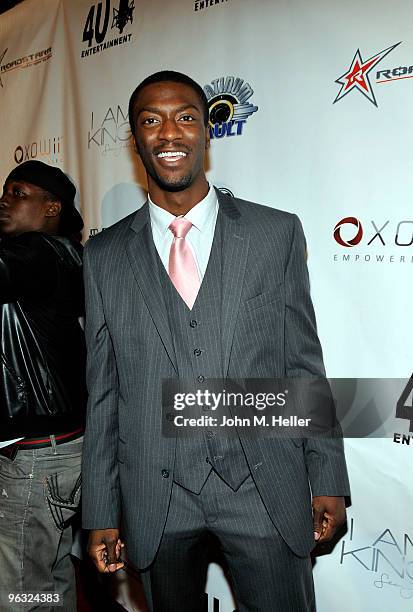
200,215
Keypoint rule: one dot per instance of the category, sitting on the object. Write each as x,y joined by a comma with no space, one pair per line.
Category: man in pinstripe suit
266,501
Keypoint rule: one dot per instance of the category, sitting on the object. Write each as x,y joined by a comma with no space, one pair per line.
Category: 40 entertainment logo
404,410
97,22
228,107
31,59
357,78
200,5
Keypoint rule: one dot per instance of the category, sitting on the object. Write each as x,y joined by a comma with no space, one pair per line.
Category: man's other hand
104,548
329,513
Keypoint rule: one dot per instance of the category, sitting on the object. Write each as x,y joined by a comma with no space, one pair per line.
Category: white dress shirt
203,217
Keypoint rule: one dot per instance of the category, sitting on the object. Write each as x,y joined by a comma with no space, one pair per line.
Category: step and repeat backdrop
310,111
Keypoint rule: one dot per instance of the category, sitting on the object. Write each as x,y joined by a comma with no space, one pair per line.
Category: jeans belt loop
53,443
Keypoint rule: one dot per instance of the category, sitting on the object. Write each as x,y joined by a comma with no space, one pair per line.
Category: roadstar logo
356,76
31,59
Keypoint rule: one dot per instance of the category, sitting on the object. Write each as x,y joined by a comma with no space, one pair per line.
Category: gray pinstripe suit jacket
269,331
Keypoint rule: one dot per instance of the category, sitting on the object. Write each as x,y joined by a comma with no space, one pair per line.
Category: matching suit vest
196,335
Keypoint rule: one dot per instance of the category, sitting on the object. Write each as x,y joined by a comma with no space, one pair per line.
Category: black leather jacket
42,369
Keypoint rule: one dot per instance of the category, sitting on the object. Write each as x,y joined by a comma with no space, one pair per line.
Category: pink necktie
182,267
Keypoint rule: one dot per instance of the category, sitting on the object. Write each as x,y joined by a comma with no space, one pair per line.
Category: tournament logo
27,61
97,23
228,106
356,76
110,131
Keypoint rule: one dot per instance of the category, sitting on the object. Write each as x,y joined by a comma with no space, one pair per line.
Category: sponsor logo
394,74
49,148
350,232
357,77
228,104
102,18
27,61
404,410
109,131
387,560
353,241
200,5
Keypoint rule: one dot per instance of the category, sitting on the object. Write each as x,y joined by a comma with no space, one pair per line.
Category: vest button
201,378
197,352
165,474
193,323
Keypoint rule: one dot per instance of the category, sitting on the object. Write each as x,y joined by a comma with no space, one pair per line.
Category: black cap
53,180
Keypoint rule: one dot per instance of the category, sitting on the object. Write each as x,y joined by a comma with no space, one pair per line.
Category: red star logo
357,76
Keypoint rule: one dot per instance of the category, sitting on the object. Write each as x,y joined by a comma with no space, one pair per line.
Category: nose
170,130
3,199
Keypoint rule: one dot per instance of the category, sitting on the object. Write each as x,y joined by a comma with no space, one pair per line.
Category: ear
53,209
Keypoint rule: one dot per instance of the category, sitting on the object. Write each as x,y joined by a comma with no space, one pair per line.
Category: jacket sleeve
100,494
27,268
324,456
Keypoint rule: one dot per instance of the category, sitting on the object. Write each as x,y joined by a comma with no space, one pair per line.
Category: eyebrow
154,109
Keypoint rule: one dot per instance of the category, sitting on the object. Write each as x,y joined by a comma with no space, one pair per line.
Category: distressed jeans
39,495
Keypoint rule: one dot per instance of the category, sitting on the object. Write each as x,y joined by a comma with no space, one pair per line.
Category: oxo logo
349,232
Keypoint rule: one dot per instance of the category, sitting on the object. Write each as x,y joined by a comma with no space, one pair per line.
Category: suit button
193,323
165,474
211,434
197,352
201,378
170,416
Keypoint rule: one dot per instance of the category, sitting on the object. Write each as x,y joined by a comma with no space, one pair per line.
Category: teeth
172,154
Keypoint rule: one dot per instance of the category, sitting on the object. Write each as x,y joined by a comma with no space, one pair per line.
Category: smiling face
25,208
171,138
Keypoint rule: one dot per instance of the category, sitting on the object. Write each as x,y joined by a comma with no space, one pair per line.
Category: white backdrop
67,68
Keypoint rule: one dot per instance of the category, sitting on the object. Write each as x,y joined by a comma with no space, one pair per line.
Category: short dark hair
172,77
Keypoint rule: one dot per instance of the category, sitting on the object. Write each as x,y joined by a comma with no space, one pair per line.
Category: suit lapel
235,247
141,253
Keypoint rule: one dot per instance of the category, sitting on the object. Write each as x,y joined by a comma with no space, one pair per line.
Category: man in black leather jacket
42,388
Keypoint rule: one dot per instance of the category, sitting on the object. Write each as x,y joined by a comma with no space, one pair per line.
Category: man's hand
329,513
104,547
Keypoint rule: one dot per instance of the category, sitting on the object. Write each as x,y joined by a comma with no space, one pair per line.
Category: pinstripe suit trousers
265,575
